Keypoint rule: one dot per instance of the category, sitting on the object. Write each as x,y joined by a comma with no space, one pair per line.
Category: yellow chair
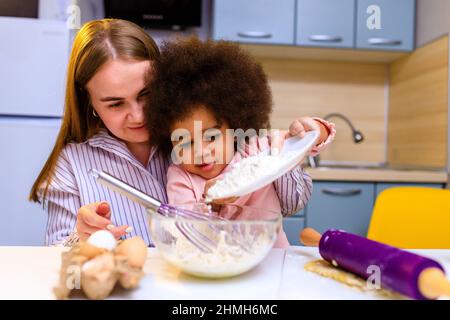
412,218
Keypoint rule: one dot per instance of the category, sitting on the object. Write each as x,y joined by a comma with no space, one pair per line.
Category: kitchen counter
377,175
32,272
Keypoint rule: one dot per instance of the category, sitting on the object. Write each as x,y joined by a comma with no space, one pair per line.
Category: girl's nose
207,151
202,152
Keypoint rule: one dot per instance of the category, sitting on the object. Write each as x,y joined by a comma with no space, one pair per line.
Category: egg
135,250
103,239
89,251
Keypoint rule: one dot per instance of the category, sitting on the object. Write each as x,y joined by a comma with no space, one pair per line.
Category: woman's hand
209,184
94,217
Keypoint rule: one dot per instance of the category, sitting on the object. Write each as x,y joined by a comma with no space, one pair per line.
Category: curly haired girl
202,90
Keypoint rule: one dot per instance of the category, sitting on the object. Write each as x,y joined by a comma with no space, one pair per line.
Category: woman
104,128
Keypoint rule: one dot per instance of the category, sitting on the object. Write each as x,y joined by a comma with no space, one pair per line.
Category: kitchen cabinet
341,205
385,24
254,21
325,23
292,227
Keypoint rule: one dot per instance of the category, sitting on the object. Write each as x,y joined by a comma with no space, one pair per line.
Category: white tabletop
32,272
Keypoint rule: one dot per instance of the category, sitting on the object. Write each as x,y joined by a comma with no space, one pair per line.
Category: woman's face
117,92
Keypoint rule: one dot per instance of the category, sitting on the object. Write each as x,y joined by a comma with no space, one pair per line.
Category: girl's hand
209,184
298,127
302,125
94,217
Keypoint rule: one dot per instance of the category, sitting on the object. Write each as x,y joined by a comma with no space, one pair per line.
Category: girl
104,128
202,90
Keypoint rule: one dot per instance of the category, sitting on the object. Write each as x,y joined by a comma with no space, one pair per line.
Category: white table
32,272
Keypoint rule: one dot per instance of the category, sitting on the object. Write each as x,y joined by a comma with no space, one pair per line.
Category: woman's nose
136,112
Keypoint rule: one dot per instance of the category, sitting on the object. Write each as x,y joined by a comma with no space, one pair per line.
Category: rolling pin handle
310,237
432,283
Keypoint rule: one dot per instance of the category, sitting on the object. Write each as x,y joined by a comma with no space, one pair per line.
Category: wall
433,20
315,88
418,107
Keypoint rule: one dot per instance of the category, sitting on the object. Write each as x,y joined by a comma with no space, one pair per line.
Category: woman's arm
68,221
62,202
62,219
294,189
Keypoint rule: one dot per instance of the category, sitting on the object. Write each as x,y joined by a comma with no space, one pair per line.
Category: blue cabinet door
383,186
254,21
300,213
325,23
385,24
292,227
341,205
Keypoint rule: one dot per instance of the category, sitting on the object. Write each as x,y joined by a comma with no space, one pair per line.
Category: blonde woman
104,128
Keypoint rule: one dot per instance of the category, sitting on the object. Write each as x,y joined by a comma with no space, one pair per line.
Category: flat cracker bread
327,270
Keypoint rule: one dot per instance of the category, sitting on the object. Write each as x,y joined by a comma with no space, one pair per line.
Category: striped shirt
72,186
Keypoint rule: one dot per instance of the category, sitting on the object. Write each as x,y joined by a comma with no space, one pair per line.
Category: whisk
201,241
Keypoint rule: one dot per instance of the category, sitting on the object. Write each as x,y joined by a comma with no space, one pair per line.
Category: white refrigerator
33,59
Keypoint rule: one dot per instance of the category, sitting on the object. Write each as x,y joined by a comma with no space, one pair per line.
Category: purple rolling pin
399,270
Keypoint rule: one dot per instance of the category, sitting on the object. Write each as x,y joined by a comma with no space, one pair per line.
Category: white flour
242,173
235,252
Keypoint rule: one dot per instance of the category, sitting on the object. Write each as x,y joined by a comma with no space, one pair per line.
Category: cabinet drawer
325,23
341,205
254,21
385,24
292,227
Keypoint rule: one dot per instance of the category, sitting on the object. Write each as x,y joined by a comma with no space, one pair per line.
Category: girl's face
117,92
203,147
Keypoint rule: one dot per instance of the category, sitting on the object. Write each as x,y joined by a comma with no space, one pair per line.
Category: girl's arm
294,189
180,189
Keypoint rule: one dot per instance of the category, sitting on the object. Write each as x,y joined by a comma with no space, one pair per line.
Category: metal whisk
201,241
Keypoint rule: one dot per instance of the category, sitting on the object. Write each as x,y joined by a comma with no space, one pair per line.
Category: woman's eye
115,105
143,94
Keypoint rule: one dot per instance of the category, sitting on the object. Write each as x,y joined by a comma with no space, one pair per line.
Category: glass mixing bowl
229,246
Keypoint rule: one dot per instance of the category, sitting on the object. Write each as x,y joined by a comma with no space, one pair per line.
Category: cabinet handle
342,192
324,38
255,35
384,42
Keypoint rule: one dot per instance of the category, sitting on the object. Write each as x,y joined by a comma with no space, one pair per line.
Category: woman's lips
137,128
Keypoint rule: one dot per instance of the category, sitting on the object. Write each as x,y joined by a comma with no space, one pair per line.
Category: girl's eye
213,137
186,145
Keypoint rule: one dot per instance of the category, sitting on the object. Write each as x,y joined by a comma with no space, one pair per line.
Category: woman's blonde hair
97,42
